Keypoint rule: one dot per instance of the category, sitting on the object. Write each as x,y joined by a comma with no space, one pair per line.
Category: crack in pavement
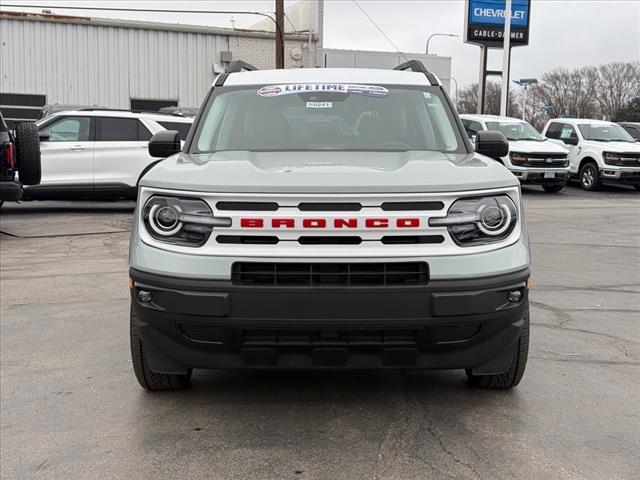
428,425
564,318
397,449
592,288
586,361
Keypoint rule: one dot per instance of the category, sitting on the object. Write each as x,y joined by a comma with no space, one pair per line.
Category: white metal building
70,60
48,59
337,58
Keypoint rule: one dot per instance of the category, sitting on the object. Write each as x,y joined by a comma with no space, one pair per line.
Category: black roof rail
239,65
234,67
93,109
418,66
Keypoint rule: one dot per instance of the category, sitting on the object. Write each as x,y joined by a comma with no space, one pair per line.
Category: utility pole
279,33
506,51
320,33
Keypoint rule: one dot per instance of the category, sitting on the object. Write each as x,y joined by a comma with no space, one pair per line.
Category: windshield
605,133
516,131
336,117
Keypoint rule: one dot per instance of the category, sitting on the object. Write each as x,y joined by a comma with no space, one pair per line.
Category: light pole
455,91
438,35
525,83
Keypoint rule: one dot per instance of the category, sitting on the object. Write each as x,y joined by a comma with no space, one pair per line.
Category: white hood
618,147
531,146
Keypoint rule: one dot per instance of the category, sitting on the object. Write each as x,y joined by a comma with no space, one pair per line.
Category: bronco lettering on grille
336,223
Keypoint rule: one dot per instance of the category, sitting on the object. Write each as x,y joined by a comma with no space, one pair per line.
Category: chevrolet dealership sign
484,22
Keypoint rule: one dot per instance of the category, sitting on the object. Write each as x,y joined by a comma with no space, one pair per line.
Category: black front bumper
623,177
442,325
537,178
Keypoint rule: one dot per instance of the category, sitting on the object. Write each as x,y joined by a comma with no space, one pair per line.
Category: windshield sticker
319,104
290,88
426,94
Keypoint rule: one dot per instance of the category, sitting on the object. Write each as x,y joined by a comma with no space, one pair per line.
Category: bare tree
468,100
564,92
616,84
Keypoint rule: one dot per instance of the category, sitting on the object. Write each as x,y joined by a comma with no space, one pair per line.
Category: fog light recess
514,296
145,296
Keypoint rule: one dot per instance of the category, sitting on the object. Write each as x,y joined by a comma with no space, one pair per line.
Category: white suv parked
98,153
599,151
532,158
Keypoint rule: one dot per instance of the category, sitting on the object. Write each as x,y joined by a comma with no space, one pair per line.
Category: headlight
180,221
612,158
477,221
517,158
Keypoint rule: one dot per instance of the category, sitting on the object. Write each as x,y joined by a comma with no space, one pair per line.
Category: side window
474,127
144,134
633,131
568,132
116,129
554,130
181,127
69,129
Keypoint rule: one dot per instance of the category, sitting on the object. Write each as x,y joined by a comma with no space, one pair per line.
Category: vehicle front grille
329,274
630,159
545,160
354,337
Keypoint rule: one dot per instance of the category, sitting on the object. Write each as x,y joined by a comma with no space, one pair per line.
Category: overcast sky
564,33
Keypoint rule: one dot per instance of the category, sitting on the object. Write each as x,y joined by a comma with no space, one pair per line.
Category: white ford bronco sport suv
599,152
329,219
532,158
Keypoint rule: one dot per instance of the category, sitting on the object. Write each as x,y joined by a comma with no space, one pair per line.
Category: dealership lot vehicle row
573,415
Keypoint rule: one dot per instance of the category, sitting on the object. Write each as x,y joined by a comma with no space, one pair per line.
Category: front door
67,152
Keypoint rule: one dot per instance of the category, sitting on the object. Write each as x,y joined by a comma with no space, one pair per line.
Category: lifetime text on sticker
290,88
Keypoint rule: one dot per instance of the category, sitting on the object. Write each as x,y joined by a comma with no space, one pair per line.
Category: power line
380,30
279,31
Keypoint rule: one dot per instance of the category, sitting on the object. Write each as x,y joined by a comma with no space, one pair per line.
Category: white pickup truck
599,151
532,158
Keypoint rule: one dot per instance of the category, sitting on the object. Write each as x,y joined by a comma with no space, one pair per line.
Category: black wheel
146,377
28,153
512,377
590,176
552,188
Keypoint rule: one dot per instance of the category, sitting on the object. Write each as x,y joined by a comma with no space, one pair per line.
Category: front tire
147,378
589,177
552,188
512,377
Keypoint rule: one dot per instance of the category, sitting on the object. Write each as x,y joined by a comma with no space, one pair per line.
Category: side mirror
492,143
44,135
570,141
164,144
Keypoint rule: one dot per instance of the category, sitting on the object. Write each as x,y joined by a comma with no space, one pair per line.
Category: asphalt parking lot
71,407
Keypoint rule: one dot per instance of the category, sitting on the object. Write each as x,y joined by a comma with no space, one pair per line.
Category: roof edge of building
145,25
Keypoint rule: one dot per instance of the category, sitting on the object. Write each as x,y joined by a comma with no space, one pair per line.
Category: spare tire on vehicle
28,153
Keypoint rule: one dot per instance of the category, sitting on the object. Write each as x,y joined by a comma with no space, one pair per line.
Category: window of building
145,105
